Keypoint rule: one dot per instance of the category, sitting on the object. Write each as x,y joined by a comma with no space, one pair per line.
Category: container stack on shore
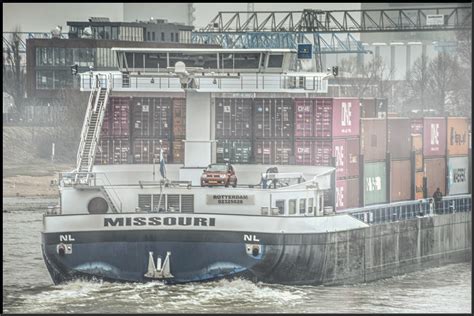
434,154
233,128
399,145
373,148
457,155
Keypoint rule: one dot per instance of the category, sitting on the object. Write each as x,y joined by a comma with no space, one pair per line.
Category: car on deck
219,174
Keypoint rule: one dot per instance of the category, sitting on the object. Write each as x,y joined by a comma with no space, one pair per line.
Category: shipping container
120,149
347,193
273,117
375,183
458,171
399,138
147,150
179,117
416,125
304,117
400,180
105,131
352,158
120,124
434,137
337,117
457,136
435,171
368,108
235,150
178,151
273,151
103,155
151,117
419,187
234,117
417,147
373,141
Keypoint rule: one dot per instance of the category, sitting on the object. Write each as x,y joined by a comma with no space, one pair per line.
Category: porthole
97,205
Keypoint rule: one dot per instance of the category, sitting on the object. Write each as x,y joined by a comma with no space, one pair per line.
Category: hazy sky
42,17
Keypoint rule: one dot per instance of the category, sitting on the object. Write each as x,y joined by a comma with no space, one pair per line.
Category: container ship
327,190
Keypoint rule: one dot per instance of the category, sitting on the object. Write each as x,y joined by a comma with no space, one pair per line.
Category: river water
27,287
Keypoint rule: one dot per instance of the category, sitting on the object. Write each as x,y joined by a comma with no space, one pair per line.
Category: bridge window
292,206
302,206
310,205
280,204
275,61
195,59
246,60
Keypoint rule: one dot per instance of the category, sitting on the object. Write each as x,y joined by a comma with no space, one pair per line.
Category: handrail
84,129
89,176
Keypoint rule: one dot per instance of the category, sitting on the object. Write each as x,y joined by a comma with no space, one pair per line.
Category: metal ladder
91,130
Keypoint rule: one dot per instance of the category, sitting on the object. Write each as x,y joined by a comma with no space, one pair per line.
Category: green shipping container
237,150
375,183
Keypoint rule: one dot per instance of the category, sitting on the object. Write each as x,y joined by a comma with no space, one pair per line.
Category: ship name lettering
157,221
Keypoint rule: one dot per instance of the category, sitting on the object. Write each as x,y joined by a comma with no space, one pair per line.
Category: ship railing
235,82
90,179
378,214
84,126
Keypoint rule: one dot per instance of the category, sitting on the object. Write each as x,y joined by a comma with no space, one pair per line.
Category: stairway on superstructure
91,130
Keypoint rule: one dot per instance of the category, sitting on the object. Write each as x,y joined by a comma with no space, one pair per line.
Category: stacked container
326,128
273,128
417,149
150,123
233,130
114,142
399,146
434,154
373,147
457,155
179,129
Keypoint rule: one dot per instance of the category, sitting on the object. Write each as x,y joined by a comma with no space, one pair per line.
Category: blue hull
125,261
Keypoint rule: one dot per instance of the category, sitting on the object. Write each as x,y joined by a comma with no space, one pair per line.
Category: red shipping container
339,151
352,157
337,117
304,152
233,117
417,126
273,151
179,117
146,150
120,124
304,118
399,138
347,194
273,117
434,136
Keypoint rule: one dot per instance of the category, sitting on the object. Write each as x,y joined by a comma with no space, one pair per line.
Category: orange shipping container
457,136
400,180
419,185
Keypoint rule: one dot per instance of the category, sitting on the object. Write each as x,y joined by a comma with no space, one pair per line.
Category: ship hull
338,257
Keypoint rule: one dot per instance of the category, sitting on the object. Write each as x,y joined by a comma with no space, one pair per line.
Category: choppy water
27,288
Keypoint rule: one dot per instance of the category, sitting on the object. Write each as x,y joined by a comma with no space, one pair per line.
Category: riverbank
38,179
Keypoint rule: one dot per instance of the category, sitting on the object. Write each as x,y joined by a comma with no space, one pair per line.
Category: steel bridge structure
329,31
